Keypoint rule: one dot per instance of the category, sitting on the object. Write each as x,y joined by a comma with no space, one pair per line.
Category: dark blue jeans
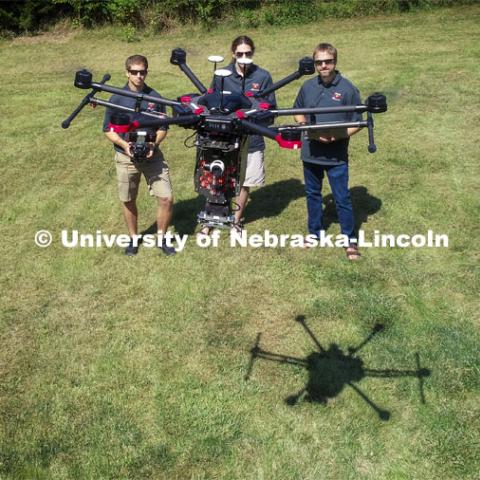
338,179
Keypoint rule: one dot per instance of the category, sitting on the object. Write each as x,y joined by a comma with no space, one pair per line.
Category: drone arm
258,129
179,57
382,414
301,320
326,126
288,79
377,328
86,100
287,139
389,373
155,121
305,67
276,357
106,103
193,78
307,111
138,96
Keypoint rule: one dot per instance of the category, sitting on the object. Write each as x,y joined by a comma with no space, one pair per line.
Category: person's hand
328,139
151,150
127,149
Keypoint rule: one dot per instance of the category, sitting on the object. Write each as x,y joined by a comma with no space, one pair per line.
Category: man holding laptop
326,151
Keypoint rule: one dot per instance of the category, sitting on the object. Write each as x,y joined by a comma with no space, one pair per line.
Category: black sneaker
168,251
131,251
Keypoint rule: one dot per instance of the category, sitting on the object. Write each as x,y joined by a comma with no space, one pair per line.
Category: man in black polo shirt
248,79
327,152
154,168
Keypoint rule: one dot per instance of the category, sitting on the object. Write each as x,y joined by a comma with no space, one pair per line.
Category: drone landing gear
216,216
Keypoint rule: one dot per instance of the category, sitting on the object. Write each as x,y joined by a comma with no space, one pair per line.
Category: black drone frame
223,123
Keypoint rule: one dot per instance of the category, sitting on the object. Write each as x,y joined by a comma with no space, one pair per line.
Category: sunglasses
328,61
241,54
136,72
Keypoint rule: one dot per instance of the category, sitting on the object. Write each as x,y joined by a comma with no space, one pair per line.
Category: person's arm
354,100
267,83
302,119
161,133
116,139
160,137
300,103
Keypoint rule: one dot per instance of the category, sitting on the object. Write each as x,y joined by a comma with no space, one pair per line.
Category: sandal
352,253
237,227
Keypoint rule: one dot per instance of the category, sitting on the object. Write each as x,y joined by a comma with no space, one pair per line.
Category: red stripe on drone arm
292,144
118,128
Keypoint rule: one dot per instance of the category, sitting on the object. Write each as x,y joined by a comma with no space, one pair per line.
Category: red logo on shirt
255,86
337,96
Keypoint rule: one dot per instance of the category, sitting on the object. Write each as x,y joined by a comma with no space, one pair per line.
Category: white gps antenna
243,62
222,73
215,59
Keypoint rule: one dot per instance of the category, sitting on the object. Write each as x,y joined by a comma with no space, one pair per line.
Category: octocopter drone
222,122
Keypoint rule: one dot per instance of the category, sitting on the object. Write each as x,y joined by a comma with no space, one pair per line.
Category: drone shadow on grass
331,370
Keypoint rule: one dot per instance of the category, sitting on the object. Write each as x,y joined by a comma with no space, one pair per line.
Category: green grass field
121,368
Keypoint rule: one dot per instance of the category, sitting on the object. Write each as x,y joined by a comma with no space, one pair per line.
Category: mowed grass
120,368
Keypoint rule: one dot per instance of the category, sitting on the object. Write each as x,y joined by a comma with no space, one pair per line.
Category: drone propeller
253,355
421,373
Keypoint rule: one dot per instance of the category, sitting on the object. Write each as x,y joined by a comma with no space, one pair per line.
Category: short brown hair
136,59
326,47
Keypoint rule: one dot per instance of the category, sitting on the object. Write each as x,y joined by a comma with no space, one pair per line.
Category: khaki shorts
156,173
255,172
